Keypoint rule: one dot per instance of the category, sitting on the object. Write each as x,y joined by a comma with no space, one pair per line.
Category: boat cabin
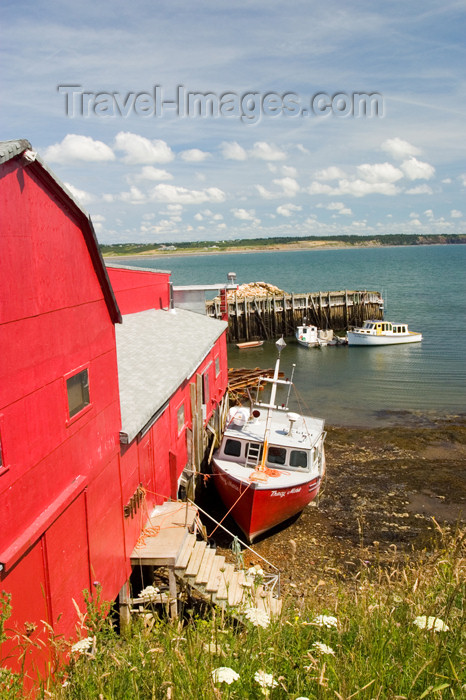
383,327
293,444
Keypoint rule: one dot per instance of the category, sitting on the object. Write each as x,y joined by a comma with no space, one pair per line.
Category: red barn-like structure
96,374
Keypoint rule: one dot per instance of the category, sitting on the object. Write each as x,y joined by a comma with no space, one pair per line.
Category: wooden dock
264,317
171,540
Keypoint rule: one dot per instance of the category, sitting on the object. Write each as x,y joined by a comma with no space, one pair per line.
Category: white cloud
355,188
415,222
420,189
331,173
173,209
417,170
289,186
429,213
134,196
456,214
289,171
83,197
399,148
140,150
231,150
462,179
244,215
182,195
148,172
266,194
379,172
194,155
340,208
319,188
287,209
75,148
266,151
361,188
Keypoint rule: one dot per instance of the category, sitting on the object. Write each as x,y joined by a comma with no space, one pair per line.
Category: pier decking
264,317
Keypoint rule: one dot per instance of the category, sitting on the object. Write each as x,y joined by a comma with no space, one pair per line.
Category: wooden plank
196,557
185,553
215,574
205,567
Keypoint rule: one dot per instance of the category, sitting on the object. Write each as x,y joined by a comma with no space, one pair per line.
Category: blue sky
258,167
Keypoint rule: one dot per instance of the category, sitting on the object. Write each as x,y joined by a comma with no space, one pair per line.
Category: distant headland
250,245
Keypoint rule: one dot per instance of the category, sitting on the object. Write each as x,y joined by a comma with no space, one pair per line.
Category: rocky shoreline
386,494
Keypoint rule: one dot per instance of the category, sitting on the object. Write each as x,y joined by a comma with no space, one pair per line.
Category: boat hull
366,339
257,508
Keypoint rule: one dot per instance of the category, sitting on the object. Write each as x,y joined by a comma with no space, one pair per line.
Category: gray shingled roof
10,149
156,352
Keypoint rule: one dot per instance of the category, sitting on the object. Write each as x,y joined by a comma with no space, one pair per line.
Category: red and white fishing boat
270,463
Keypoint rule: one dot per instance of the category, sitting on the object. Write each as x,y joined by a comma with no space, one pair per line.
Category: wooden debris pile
259,290
243,381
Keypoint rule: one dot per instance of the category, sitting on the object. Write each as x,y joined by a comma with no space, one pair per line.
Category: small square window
77,388
181,418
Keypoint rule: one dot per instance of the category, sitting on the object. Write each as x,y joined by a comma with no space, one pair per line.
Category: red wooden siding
54,320
138,290
73,502
67,555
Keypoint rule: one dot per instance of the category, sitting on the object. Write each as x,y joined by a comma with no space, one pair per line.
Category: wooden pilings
263,317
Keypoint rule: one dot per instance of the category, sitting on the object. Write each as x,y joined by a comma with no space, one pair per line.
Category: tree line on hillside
357,241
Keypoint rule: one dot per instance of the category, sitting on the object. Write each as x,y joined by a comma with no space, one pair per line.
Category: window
232,448
298,458
77,388
180,417
217,366
276,455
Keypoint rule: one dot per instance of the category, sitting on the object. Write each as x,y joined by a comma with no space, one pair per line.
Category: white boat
313,337
382,333
270,463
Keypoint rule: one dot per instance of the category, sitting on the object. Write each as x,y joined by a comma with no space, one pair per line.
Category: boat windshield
276,456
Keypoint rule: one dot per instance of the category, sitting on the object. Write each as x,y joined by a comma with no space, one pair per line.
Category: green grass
378,650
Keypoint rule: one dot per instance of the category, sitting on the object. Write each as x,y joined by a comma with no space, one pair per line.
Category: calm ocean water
424,286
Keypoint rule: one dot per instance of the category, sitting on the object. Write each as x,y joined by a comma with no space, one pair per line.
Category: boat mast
274,381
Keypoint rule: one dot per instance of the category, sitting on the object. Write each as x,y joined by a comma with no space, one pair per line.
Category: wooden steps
211,576
190,560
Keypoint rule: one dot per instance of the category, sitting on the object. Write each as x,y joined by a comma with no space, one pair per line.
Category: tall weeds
397,633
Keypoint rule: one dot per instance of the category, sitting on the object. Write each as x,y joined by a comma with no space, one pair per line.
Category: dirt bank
383,488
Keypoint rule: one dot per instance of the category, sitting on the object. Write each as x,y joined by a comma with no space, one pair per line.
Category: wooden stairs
174,543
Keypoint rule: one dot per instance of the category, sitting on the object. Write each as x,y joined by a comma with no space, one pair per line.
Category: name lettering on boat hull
281,494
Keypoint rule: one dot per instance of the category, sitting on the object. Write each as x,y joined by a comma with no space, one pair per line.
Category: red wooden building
95,400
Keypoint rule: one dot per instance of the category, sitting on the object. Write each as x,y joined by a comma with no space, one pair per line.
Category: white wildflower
255,571
301,697
325,621
323,648
148,592
259,618
224,674
265,680
428,623
83,645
